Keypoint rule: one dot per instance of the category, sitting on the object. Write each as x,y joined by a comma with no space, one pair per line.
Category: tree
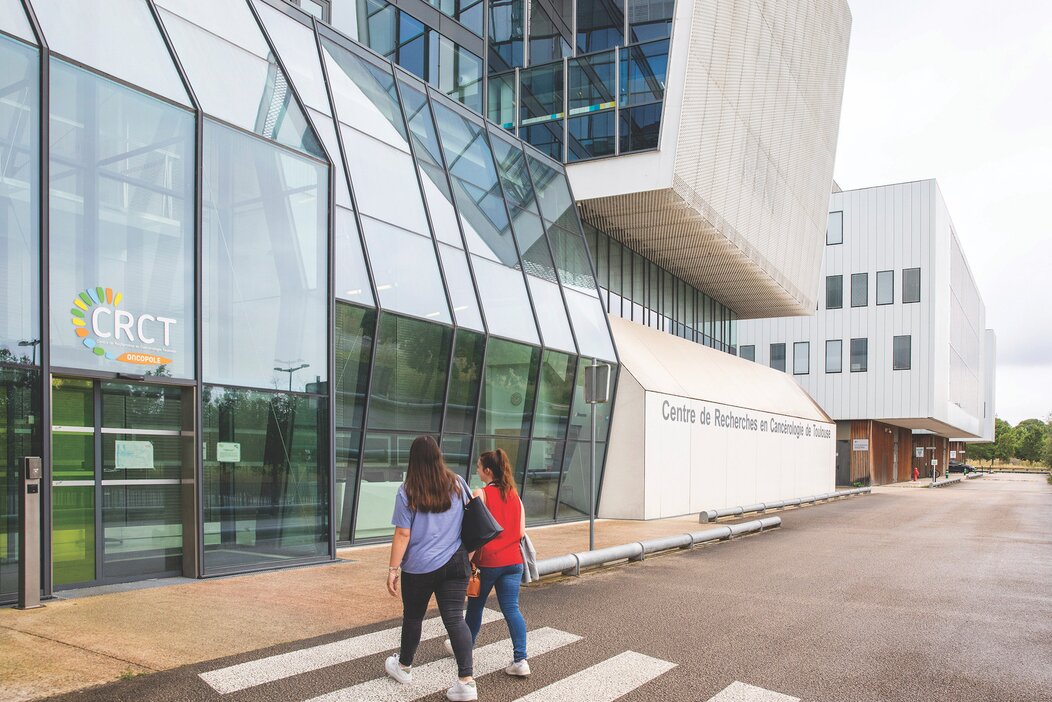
982,452
1030,439
1004,440
1048,442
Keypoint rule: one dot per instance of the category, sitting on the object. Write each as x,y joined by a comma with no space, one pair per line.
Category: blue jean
506,579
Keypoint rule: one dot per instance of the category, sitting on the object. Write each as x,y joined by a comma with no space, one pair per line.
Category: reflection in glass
365,97
327,131
352,277
406,271
571,259
546,137
574,501
650,19
541,92
460,74
295,44
600,25
511,164
529,233
591,83
540,484
554,395
384,461
13,21
348,453
505,35
551,314
241,84
467,12
384,182
19,437
553,193
409,374
456,449
505,300
461,289
515,448
640,127
508,389
121,40
465,377
581,412
643,69
271,505
19,203
501,108
591,136
265,254
122,228
355,329
546,41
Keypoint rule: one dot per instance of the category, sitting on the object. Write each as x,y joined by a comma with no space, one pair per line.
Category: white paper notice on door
228,452
133,455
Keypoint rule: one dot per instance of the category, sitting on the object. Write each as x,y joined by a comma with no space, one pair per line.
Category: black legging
449,584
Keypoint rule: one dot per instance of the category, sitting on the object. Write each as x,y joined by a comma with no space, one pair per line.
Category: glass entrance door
117,472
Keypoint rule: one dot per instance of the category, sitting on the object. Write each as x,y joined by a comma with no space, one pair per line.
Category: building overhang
930,425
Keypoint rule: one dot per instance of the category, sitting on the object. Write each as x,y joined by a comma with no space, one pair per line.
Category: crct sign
118,334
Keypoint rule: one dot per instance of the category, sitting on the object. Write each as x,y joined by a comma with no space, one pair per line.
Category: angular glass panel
13,21
553,193
460,74
546,41
385,458
384,181
554,395
432,168
298,50
20,436
505,35
640,128
504,297
508,389
514,176
529,233
541,93
591,136
409,374
122,228
574,500
465,378
600,25
406,271
327,132
19,203
265,253
456,450
365,97
241,86
273,504
540,484
643,69
231,20
575,271
352,277
461,288
118,37
501,107
355,330
348,456
551,313
650,19
515,448
589,324
480,201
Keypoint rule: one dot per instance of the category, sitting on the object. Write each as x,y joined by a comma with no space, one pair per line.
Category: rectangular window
902,348
859,355
834,355
835,228
859,289
834,292
778,356
749,352
885,287
911,284
801,358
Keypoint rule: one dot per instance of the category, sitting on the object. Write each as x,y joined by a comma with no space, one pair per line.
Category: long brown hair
497,463
428,482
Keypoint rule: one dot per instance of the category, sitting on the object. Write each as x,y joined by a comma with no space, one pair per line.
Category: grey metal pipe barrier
710,515
572,563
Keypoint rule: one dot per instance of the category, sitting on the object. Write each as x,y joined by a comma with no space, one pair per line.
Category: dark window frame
839,278
840,355
891,287
865,356
905,275
895,352
752,352
796,345
770,358
828,219
865,289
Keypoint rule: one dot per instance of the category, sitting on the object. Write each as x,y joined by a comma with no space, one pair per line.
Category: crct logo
116,334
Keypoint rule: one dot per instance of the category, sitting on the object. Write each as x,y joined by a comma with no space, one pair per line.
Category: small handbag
479,527
474,582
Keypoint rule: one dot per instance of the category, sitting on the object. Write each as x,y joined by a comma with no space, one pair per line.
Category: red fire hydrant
916,473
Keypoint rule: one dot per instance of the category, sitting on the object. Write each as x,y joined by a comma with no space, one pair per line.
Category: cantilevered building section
733,200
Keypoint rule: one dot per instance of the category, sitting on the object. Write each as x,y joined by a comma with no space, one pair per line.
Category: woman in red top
500,561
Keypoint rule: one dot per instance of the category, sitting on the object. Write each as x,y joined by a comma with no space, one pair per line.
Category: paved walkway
78,641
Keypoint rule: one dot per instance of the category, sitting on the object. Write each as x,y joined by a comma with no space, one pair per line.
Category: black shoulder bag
479,526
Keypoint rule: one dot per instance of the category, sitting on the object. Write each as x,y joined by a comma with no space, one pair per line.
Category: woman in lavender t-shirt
428,512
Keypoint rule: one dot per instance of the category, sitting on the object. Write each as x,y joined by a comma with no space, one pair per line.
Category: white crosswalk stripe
604,682
245,675
740,692
439,675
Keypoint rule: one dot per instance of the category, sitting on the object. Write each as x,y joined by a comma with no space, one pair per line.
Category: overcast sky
961,91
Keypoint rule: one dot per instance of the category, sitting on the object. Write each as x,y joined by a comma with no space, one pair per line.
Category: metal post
29,536
596,390
591,484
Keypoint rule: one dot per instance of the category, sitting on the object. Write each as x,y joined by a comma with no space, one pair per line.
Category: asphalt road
907,594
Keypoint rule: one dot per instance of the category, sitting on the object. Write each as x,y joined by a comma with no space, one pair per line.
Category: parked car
958,467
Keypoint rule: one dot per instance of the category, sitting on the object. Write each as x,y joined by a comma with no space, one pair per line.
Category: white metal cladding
949,384
735,200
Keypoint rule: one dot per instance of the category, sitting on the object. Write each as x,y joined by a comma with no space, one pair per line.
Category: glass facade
311,252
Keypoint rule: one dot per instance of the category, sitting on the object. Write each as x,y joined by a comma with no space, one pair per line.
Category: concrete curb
711,515
947,481
573,563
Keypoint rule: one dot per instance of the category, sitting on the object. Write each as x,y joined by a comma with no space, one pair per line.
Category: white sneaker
462,691
520,669
449,647
396,671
